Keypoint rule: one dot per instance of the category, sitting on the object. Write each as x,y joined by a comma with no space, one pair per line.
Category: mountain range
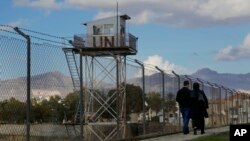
229,80
235,81
58,83
49,83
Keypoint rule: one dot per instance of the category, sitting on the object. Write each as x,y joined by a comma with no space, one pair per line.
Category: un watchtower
97,63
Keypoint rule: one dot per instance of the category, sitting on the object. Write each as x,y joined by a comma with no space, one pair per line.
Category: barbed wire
150,66
52,41
40,33
68,43
4,30
36,32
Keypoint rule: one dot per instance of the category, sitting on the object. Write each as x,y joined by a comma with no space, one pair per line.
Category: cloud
179,13
143,17
17,23
87,4
165,65
221,9
231,53
101,15
43,4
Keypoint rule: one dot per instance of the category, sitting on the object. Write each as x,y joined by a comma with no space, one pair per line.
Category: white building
42,94
107,33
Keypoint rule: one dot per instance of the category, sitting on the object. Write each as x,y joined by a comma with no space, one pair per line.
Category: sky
180,35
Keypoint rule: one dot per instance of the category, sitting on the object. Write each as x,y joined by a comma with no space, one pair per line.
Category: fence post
244,108
28,108
220,115
237,104
212,102
220,95
179,87
81,98
143,96
247,103
226,104
239,98
163,92
232,108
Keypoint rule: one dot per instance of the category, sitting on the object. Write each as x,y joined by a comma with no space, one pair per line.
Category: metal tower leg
99,103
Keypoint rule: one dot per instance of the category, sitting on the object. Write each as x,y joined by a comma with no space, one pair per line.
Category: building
42,94
107,33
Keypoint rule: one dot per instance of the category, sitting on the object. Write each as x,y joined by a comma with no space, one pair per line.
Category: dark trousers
185,117
199,123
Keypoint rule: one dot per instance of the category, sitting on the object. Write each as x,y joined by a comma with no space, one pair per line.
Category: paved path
190,136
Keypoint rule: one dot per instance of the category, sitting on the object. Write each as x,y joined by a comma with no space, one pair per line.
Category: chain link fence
50,87
147,101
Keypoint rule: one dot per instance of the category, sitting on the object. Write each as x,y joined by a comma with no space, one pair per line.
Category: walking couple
193,105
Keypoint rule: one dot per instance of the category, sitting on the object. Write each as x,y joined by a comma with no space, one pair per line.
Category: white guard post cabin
107,33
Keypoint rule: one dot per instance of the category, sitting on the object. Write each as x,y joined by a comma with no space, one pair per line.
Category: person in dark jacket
183,99
198,108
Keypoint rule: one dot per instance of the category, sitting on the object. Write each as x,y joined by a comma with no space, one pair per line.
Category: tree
170,103
133,98
41,111
154,101
133,101
55,108
70,104
47,110
12,111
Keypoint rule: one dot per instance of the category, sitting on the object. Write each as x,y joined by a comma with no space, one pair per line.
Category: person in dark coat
183,99
198,108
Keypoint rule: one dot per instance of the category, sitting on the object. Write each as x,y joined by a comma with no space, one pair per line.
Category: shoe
202,132
185,133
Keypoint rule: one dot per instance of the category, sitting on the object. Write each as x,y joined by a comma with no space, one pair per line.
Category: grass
220,137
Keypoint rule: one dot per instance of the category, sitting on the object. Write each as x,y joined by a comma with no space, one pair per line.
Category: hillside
236,81
57,83
48,82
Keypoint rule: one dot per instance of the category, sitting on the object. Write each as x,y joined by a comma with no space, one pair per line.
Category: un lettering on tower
240,132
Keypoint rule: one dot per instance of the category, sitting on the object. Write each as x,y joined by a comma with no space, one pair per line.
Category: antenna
117,35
